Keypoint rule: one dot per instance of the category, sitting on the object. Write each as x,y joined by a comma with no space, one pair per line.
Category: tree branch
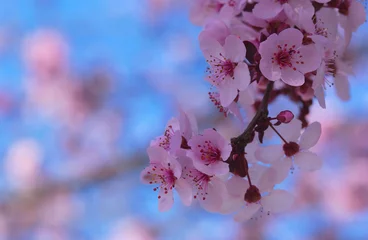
241,141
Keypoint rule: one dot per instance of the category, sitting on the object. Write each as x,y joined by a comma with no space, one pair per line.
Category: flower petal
290,36
278,201
247,212
267,9
292,77
237,186
228,93
308,161
269,154
342,87
184,190
241,76
282,169
311,59
157,155
310,136
234,49
269,70
213,201
166,200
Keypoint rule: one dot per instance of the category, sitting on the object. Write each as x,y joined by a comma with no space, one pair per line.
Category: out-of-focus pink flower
227,70
209,151
166,171
284,57
46,53
352,15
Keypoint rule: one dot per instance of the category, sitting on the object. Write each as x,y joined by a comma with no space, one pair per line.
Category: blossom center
252,194
209,153
286,55
291,148
221,69
282,1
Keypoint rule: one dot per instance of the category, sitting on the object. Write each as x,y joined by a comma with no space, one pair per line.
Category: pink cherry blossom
284,57
273,201
166,171
209,190
209,151
177,132
227,70
325,30
332,72
295,150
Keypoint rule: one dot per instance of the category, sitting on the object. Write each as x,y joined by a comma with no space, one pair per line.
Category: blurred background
85,86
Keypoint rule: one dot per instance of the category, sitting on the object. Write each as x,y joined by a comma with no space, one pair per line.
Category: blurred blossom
46,54
23,162
132,229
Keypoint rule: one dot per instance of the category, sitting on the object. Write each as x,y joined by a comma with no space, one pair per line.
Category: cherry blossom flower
209,190
332,67
177,133
227,70
166,171
295,150
325,30
209,151
252,201
284,57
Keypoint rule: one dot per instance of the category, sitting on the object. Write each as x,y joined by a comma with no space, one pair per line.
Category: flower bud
285,116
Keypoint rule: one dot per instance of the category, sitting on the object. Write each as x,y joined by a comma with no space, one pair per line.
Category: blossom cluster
256,51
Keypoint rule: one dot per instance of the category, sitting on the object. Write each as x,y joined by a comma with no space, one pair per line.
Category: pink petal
216,191
165,201
217,168
157,155
228,93
308,161
278,201
174,165
147,178
241,76
269,154
290,36
267,9
184,190
237,186
311,58
291,131
292,77
234,49
210,47
268,47
247,212
268,180
320,95
357,15
342,87
271,71
310,136
282,169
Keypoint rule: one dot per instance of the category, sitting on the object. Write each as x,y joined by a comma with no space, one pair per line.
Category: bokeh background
84,87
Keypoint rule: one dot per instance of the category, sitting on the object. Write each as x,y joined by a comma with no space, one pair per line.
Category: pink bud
285,116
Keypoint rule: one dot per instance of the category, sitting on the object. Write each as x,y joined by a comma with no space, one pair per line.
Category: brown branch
241,141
